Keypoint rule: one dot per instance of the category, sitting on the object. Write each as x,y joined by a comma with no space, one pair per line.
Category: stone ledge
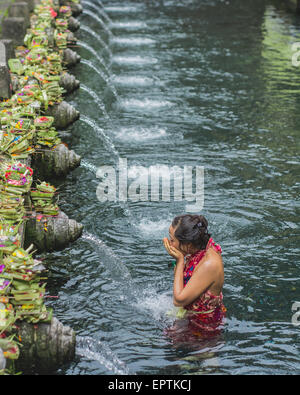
14,28
5,81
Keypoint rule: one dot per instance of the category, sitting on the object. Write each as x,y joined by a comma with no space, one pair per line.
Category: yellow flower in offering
27,306
18,254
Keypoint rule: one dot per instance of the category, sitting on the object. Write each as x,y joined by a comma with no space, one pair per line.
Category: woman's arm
202,278
178,280
200,281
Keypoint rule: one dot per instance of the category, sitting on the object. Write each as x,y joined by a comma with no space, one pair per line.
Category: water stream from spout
100,21
98,38
113,262
96,98
98,10
94,52
96,350
101,74
103,136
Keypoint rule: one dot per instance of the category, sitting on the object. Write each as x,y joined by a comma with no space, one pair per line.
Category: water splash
140,134
97,99
128,25
134,81
100,132
147,299
158,305
153,229
99,20
134,60
146,104
121,9
92,51
132,41
98,38
99,351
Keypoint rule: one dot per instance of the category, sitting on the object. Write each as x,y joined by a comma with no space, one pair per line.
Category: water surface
201,83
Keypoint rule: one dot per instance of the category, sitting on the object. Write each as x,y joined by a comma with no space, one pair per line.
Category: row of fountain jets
86,346
101,63
102,69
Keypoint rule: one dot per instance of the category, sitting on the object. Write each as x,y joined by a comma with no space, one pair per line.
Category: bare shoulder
214,257
210,268
212,261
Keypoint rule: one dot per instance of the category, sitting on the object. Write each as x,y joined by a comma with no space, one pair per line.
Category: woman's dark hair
191,229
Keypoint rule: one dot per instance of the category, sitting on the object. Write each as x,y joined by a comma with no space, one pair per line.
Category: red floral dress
207,312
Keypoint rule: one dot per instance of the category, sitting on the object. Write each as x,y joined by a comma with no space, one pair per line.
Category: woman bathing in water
198,274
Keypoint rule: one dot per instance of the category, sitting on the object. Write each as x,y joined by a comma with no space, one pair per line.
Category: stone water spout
57,162
73,24
5,78
70,58
48,233
69,82
45,346
64,114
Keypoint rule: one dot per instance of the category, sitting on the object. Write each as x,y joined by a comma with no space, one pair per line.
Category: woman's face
175,242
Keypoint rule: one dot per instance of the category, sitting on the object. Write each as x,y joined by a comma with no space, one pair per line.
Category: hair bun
191,229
